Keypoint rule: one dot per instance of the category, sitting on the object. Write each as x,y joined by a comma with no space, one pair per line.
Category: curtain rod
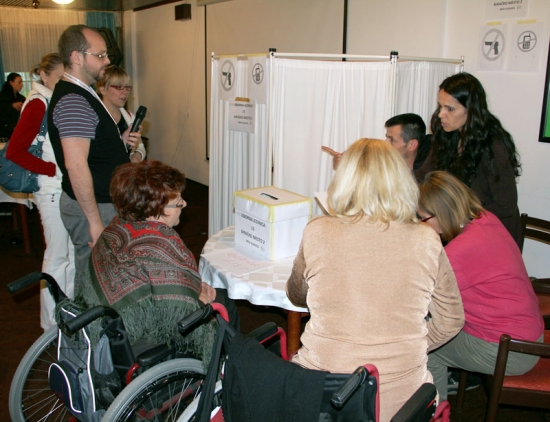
365,57
331,56
430,59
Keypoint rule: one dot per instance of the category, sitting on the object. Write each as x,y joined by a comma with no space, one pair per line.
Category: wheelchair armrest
155,355
420,407
340,396
86,317
269,329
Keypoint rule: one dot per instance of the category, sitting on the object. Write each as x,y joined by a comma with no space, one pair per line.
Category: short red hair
141,190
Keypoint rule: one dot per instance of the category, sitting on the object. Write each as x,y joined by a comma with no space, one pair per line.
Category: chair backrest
535,229
528,390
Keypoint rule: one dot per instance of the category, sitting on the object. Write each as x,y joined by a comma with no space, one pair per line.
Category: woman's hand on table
208,293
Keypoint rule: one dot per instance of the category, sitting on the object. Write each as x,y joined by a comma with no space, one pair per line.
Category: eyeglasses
100,56
427,218
179,204
121,87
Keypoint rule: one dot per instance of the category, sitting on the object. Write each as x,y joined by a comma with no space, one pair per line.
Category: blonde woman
59,254
496,291
370,275
114,89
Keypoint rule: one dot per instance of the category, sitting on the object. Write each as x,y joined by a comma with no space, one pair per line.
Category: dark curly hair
143,190
479,132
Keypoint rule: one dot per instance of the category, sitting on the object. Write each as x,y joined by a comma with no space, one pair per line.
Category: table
23,200
266,286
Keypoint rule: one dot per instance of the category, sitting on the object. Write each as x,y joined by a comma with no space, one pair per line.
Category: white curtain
418,85
311,103
319,103
238,160
28,34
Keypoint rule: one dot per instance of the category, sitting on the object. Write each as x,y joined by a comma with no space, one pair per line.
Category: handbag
16,178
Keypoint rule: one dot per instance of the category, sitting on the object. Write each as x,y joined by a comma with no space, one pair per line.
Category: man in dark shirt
407,133
86,141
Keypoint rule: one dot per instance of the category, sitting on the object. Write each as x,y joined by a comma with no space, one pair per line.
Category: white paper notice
502,9
235,262
492,47
241,116
526,47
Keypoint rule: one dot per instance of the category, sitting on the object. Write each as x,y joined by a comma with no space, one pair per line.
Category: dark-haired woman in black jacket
470,143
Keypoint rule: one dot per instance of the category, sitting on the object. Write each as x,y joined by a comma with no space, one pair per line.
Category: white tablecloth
263,287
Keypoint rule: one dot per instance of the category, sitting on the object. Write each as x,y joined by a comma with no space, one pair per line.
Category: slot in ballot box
269,221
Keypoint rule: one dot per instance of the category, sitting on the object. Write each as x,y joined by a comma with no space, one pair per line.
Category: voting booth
270,114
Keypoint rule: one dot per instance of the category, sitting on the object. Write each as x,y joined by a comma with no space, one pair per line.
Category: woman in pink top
496,291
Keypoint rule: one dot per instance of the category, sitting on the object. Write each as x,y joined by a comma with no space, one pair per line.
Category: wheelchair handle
24,281
32,278
86,317
340,396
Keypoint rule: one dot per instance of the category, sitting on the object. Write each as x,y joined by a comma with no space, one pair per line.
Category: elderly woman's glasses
179,204
121,87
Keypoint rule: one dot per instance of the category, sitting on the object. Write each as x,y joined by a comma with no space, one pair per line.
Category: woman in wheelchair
141,267
371,275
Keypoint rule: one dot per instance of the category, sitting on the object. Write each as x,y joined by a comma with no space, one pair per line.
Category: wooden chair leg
461,393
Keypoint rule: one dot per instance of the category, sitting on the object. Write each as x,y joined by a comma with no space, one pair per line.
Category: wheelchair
250,369
74,372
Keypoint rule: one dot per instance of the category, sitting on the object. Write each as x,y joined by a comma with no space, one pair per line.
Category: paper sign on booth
241,116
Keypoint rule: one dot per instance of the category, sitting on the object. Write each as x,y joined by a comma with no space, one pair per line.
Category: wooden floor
19,313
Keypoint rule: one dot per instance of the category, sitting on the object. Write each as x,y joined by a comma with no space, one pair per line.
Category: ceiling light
63,1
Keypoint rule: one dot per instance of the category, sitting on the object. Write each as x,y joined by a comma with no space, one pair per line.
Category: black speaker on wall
183,12
113,52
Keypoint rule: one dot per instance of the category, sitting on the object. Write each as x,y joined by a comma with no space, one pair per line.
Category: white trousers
58,256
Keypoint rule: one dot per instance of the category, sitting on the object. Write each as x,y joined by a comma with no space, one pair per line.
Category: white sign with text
241,116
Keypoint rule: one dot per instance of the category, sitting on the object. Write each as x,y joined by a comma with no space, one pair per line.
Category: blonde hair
373,180
113,75
451,201
47,64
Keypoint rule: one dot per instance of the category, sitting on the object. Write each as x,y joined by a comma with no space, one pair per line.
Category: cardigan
369,288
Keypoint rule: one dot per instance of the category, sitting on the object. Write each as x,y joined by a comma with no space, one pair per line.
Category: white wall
167,58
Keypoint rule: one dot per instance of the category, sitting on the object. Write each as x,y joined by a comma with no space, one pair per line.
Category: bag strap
44,124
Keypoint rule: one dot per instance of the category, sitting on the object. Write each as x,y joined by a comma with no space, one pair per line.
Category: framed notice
544,134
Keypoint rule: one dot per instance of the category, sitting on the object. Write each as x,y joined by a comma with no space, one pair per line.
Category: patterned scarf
144,271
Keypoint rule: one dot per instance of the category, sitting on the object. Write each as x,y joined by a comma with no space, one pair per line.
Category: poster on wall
492,47
544,134
525,47
502,9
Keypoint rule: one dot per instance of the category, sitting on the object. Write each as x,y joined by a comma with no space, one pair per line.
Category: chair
538,230
531,389
534,229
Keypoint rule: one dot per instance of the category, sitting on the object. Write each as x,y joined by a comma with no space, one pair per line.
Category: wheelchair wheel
31,398
190,412
159,394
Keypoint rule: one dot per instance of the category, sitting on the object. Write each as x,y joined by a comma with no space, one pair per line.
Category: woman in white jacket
59,254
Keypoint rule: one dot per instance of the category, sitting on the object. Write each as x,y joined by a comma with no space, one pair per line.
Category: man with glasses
86,141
